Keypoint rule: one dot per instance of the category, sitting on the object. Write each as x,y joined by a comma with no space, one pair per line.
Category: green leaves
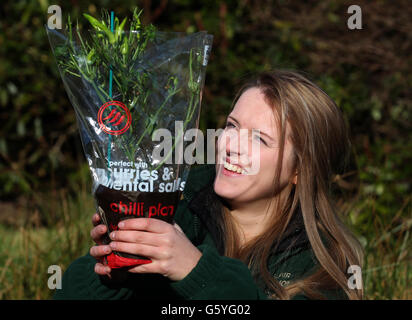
125,47
100,26
118,50
193,85
132,81
119,30
90,56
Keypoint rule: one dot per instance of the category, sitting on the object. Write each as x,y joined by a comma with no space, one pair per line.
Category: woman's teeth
234,168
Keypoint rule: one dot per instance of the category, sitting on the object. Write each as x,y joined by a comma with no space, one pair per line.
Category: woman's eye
260,139
256,136
264,142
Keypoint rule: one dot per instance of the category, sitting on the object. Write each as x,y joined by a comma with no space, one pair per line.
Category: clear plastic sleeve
128,93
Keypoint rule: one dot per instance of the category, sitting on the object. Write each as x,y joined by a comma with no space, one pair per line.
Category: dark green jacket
215,276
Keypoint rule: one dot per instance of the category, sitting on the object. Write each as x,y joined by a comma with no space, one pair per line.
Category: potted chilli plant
125,81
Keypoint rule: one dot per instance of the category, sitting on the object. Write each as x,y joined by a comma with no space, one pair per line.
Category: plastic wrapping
125,89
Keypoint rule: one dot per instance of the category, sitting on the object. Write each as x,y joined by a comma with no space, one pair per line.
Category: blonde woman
273,234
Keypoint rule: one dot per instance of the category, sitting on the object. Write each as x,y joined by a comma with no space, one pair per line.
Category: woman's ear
295,178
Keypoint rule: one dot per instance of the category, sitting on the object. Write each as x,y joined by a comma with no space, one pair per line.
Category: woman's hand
101,250
171,252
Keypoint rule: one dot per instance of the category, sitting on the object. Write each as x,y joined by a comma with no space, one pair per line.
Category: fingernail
106,250
112,235
121,224
113,245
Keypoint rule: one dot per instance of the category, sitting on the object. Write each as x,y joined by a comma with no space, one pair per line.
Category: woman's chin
225,190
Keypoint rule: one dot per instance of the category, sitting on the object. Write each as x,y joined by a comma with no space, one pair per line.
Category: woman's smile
232,170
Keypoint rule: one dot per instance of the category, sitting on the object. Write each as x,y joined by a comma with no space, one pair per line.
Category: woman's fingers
145,224
96,219
153,267
102,269
100,251
140,237
97,233
138,249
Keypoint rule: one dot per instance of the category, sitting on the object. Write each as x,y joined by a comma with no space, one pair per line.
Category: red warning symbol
116,120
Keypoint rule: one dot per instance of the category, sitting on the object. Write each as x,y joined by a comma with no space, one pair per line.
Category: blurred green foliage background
367,72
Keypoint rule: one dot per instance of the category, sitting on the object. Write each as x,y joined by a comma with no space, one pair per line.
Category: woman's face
235,180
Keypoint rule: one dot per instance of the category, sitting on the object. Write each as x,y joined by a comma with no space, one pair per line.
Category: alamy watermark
240,146
55,19
55,280
355,280
355,20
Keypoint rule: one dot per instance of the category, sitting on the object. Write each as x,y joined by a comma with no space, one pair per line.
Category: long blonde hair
320,140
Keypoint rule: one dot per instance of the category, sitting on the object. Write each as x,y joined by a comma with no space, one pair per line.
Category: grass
386,240
26,251
388,271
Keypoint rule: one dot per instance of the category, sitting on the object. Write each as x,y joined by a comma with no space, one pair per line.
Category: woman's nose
231,142
237,143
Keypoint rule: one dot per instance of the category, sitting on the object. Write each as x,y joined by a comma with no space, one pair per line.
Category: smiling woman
304,144
241,233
